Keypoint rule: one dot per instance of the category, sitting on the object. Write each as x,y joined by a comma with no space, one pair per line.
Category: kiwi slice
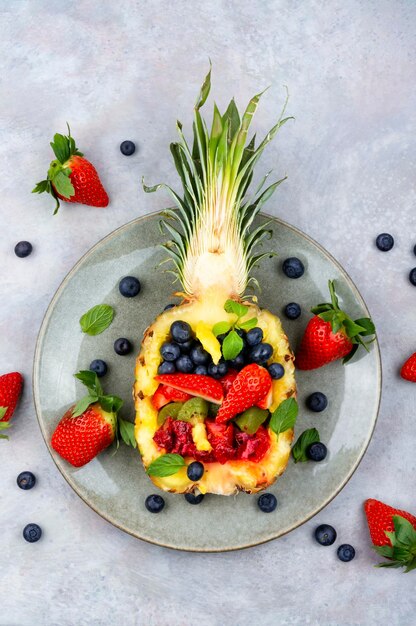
169,410
213,409
193,410
251,419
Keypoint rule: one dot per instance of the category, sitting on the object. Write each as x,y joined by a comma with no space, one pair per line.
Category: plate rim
108,517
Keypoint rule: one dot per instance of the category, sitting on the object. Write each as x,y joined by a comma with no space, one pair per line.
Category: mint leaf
3,411
83,404
166,465
111,404
90,380
127,432
220,328
284,417
63,185
231,306
232,345
251,323
97,319
306,438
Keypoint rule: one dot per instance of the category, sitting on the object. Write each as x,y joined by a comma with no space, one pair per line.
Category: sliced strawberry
253,447
195,385
221,438
165,394
227,380
267,400
250,386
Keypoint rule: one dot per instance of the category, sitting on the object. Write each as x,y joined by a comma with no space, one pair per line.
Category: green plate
115,485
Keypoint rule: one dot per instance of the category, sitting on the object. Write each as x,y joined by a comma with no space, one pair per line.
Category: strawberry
10,389
267,400
331,335
91,426
393,533
71,177
408,371
165,394
227,380
195,385
250,386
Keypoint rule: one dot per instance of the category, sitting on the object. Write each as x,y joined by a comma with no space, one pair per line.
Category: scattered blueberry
293,267
276,370
127,148
384,242
129,286
267,502
261,353
412,276
254,336
199,356
325,534
32,533
346,552
154,503
170,351
26,480
317,401
292,311
195,471
122,346
237,363
184,364
166,368
414,250
193,499
316,451
201,369
181,331
23,249
169,306
99,367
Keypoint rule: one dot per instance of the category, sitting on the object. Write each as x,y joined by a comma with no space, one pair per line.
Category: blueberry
129,286
217,371
201,369
184,364
187,346
32,533
181,331
199,356
414,250
346,552
23,249
261,353
238,363
325,534
193,499
169,306
26,480
127,148
166,368
276,370
254,336
412,276
195,471
122,346
292,311
99,367
170,351
267,502
293,267
317,401
221,337
154,503
384,242
316,451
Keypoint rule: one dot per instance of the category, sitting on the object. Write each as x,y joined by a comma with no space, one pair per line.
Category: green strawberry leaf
127,432
386,551
232,345
367,324
251,323
350,354
91,381
352,328
111,404
97,319
166,465
231,306
63,185
220,328
42,186
284,417
3,411
306,438
83,404
404,531
61,148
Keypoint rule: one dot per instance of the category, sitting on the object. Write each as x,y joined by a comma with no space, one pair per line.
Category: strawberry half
194,385
10,390
408,371
332,335
91,426
71,177
393,533
165,394
250,386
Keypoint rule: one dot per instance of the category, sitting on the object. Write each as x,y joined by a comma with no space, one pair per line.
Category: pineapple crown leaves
215,211
341,322
64,148
402,552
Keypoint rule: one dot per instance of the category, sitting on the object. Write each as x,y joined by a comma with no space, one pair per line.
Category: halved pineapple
213,256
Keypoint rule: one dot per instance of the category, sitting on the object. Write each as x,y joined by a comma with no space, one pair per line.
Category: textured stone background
127,70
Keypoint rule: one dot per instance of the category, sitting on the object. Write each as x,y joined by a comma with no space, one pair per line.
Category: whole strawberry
71,177
408,371
91,426
331,335
250,386
393,533
10,390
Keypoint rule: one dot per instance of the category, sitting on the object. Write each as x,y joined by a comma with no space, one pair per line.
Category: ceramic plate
116,486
